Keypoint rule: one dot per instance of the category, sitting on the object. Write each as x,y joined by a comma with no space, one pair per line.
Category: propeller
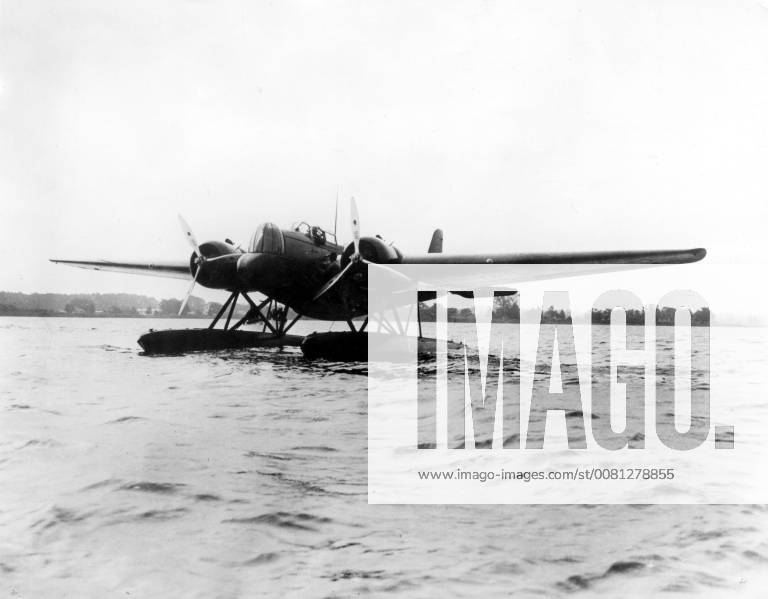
187,230
355,228
189,293
354,259
201,259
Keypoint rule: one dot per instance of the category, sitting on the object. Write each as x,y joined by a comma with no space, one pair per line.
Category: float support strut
279,328
231,309
222,310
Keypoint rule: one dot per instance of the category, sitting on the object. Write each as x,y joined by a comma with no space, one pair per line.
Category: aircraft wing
616,257
527,267
173,270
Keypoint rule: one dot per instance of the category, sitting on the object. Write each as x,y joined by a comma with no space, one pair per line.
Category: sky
514,126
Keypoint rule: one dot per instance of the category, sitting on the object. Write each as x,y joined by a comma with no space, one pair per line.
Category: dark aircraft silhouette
304,268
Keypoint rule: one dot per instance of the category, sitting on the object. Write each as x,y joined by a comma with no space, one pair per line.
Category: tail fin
436,245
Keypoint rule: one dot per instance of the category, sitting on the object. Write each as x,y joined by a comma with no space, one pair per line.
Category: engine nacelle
221,274
373,249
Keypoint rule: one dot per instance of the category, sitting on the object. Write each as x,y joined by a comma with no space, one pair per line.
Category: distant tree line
665,316
101,304
507,310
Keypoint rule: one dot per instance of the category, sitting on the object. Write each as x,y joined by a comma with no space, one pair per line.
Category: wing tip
698,254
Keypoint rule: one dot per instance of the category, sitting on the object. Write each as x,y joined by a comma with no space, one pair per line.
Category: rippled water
243,474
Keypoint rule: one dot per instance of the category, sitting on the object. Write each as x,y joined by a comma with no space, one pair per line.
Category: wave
296,521
153,487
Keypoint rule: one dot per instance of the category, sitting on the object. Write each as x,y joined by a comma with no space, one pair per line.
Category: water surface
243,474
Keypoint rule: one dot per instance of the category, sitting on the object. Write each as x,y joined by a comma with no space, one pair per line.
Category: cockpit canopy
268,239
317,234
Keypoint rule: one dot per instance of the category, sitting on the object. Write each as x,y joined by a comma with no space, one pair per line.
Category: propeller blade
209,260
189,235
338,277
356,258
189,293
355,225
389,269
332,282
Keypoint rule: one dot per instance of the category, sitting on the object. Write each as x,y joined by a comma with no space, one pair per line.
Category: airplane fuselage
288,265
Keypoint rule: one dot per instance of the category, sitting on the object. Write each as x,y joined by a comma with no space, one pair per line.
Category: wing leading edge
173,270
615,257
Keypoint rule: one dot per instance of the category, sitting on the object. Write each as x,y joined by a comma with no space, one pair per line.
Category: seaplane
304,270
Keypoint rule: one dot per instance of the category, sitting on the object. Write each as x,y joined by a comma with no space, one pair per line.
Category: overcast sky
511,125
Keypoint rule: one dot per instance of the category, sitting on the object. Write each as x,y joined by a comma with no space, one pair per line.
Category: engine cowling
373,249
221,274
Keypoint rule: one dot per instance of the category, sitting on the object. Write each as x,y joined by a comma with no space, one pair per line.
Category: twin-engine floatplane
306,269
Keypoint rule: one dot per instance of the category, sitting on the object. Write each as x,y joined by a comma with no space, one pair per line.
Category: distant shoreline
126,305
43,314
32,314
48,314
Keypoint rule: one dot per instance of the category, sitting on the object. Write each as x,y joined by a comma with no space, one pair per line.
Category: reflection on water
244,474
